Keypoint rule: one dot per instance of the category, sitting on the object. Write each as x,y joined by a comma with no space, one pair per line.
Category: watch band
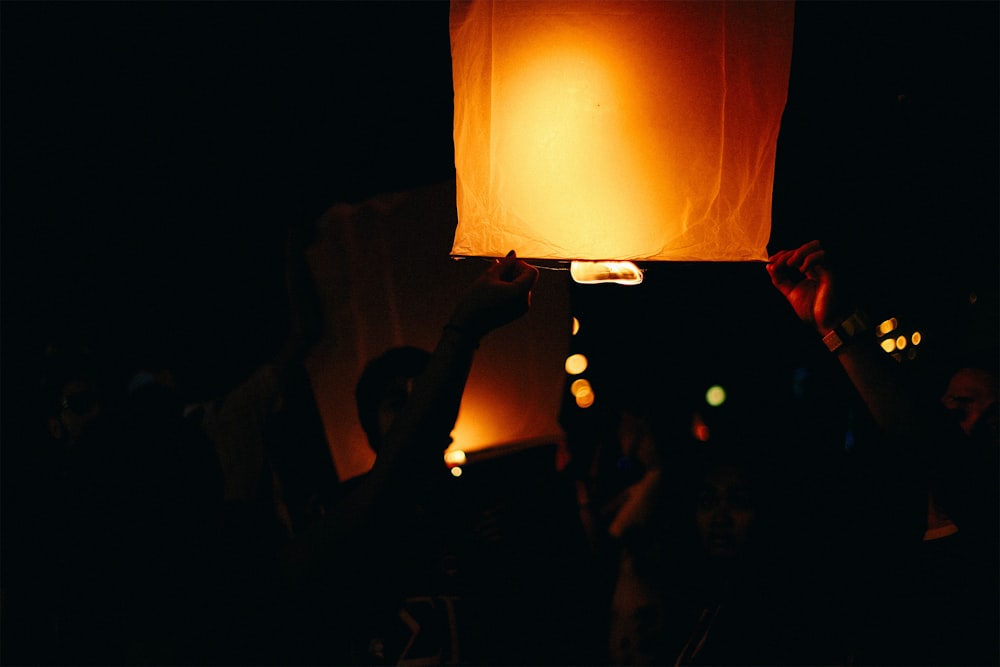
843,333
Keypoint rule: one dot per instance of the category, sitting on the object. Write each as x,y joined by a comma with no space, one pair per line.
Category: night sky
154,152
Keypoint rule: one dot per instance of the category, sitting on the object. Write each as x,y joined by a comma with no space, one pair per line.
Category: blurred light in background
715,396
699,429
582,392
887,326
585,399
576,363
580,386
894,340
455,457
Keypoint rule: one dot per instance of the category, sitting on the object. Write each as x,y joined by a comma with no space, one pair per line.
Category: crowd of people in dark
146,522
143,528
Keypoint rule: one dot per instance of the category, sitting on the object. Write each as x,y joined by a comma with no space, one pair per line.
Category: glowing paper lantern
385,279
617,130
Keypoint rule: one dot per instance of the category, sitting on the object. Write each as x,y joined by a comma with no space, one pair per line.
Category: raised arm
807,279
499,296
421,432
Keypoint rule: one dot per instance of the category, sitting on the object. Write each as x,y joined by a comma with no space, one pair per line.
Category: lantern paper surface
617,130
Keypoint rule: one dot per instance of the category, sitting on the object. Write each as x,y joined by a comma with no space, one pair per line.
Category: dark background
153,153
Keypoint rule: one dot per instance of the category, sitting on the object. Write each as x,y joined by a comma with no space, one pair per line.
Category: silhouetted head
384,387
733,501
726,511
970,394
71,390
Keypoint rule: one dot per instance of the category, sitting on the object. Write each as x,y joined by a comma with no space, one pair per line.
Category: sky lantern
385,279
603,134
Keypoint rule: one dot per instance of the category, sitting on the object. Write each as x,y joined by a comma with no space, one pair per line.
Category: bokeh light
580,386
715,396
887,326
699,429
455,457
576,364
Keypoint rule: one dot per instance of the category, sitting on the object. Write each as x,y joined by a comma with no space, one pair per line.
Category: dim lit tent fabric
385,279
596,130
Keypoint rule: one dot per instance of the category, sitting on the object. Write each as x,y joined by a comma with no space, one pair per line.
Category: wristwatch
843,333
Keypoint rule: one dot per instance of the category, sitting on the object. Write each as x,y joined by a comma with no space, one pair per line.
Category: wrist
847,331
462,334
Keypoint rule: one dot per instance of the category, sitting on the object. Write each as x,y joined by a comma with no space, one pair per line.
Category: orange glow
916,338
493,410
454,457
699,429
456,472
380,252
901,343
575,327
484,418
576,364
887,326
585,399
888,344
589,273
629,131
579,387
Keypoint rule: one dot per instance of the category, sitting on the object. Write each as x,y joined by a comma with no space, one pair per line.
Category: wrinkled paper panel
614,130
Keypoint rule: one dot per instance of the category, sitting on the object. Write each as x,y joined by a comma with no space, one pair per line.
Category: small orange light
576,364
887,326
699,429
454,457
